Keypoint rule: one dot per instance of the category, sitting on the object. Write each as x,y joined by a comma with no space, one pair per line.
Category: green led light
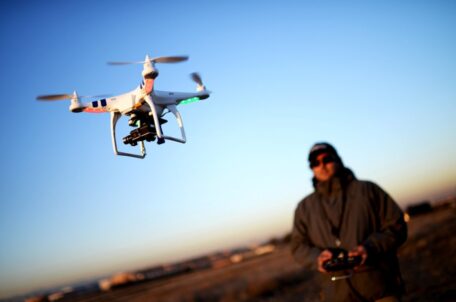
190,100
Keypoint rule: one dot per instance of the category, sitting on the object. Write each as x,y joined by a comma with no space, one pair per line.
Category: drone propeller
125,63
196,78
199,82
58,97
171,59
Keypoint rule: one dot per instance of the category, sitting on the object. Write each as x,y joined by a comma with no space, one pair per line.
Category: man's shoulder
365,184
308,200
366,187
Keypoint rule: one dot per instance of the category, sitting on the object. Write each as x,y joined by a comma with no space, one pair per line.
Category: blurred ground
427,262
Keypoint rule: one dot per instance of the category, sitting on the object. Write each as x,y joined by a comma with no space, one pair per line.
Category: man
354,215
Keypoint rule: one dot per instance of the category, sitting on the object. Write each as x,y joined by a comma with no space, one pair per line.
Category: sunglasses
325,160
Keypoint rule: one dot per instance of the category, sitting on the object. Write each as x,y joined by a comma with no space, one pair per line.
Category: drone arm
173,109
114,118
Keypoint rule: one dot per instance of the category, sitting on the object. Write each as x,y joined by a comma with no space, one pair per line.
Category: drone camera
145,132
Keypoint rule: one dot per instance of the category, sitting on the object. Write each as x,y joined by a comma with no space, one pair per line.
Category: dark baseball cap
323,147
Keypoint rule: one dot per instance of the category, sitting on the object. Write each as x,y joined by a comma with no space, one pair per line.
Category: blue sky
375,78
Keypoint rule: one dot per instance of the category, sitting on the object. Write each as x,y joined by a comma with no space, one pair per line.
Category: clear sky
375,78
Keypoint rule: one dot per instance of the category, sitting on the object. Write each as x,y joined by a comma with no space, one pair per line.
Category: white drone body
144,106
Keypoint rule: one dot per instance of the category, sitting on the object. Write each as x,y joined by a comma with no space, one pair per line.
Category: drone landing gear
172,108
114,118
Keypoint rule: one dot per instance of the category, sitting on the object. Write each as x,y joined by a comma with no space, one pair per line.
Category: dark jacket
371,218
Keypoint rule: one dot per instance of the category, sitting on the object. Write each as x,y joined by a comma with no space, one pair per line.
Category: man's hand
359,251
322,258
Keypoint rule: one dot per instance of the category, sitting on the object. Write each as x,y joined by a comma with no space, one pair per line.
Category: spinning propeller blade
171,59
54,97
196,78
125,63
58,97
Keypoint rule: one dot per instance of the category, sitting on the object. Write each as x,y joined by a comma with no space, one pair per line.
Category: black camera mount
145,129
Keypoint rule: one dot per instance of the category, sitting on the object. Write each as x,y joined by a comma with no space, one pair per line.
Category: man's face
324,167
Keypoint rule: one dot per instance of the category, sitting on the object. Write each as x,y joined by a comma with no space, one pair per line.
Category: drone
144,106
